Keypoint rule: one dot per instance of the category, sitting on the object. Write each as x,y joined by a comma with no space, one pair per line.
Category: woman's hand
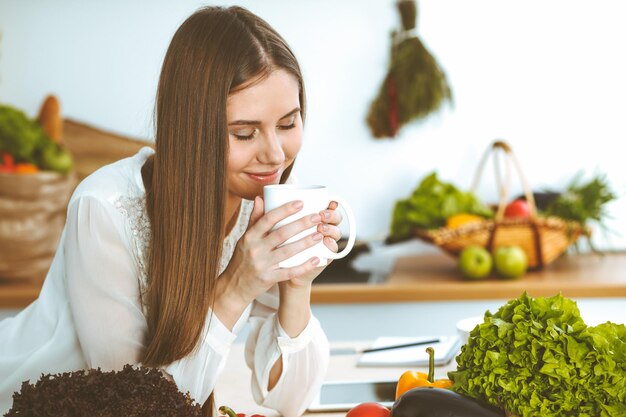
254,269
329,228
295,294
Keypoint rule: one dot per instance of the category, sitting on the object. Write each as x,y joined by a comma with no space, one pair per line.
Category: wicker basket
32,216
542,238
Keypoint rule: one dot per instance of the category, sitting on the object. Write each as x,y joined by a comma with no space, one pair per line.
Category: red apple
517,208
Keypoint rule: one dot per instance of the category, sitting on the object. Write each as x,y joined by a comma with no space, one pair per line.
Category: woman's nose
272,151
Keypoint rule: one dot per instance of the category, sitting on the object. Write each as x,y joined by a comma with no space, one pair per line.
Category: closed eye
245,134
291,121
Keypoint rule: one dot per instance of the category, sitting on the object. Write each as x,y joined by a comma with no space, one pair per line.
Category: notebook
446,349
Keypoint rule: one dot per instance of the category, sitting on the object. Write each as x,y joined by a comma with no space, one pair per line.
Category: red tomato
7,160
369,410
517,208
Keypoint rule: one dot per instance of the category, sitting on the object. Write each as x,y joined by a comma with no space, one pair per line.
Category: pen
423,342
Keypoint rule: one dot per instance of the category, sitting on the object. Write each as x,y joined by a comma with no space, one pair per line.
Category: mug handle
351,238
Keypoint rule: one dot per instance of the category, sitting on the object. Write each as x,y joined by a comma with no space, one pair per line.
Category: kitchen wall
548,77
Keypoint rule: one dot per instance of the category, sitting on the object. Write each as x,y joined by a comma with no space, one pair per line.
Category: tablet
343,395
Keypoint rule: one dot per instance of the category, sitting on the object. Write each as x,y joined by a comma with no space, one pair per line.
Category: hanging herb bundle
414,86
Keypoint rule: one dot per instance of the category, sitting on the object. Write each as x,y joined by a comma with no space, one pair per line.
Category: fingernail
324,228
297,204
318,236
316,218
315,260
326,214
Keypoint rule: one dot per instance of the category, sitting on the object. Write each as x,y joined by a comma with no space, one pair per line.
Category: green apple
510,261
475,262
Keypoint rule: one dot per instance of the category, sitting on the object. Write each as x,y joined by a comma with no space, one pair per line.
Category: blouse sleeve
102,285
304,358
197,373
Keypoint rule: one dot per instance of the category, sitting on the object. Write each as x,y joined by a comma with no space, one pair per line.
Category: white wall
548,77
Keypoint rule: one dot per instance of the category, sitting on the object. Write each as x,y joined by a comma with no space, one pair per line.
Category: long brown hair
213,53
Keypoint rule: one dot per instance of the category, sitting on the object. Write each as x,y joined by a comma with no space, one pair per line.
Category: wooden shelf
93,148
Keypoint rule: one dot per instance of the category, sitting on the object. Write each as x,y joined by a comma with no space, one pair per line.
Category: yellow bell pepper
460,219
413,379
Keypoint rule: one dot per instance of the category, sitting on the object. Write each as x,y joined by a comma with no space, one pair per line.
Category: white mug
315,199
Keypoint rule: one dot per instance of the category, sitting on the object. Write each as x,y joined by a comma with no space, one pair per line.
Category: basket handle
500,148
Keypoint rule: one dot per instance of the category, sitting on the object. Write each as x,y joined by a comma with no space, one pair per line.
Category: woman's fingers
267,221
329,230
331,218
331,215
286,274
287,231
331,244
257,211
290,249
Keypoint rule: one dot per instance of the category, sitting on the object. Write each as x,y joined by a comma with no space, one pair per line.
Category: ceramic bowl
465,326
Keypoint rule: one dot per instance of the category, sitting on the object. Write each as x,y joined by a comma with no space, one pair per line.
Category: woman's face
265,133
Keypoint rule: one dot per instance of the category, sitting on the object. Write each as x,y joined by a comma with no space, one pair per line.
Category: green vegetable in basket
24,139
54,158
537,357
430,204
19,135
582,202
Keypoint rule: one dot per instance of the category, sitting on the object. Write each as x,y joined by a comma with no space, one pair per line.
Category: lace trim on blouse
134,208
233,237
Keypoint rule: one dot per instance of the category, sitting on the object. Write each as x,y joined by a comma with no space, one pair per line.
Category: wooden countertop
434,278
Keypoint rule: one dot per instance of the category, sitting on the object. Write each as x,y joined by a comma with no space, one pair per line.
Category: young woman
167,254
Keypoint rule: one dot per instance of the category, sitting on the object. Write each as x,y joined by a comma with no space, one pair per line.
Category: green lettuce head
536,357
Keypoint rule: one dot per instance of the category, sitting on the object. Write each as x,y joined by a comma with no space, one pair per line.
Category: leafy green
54,158
26,141
19,135
430,204
537,357
582,202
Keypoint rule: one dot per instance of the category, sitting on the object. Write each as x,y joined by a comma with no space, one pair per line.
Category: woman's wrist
228,305
294,311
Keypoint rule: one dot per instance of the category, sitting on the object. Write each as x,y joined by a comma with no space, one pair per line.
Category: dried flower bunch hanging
415,85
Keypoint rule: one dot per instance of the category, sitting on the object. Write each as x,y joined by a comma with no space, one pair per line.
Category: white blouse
90,312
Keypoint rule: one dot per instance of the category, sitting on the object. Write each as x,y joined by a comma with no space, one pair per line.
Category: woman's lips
264,177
